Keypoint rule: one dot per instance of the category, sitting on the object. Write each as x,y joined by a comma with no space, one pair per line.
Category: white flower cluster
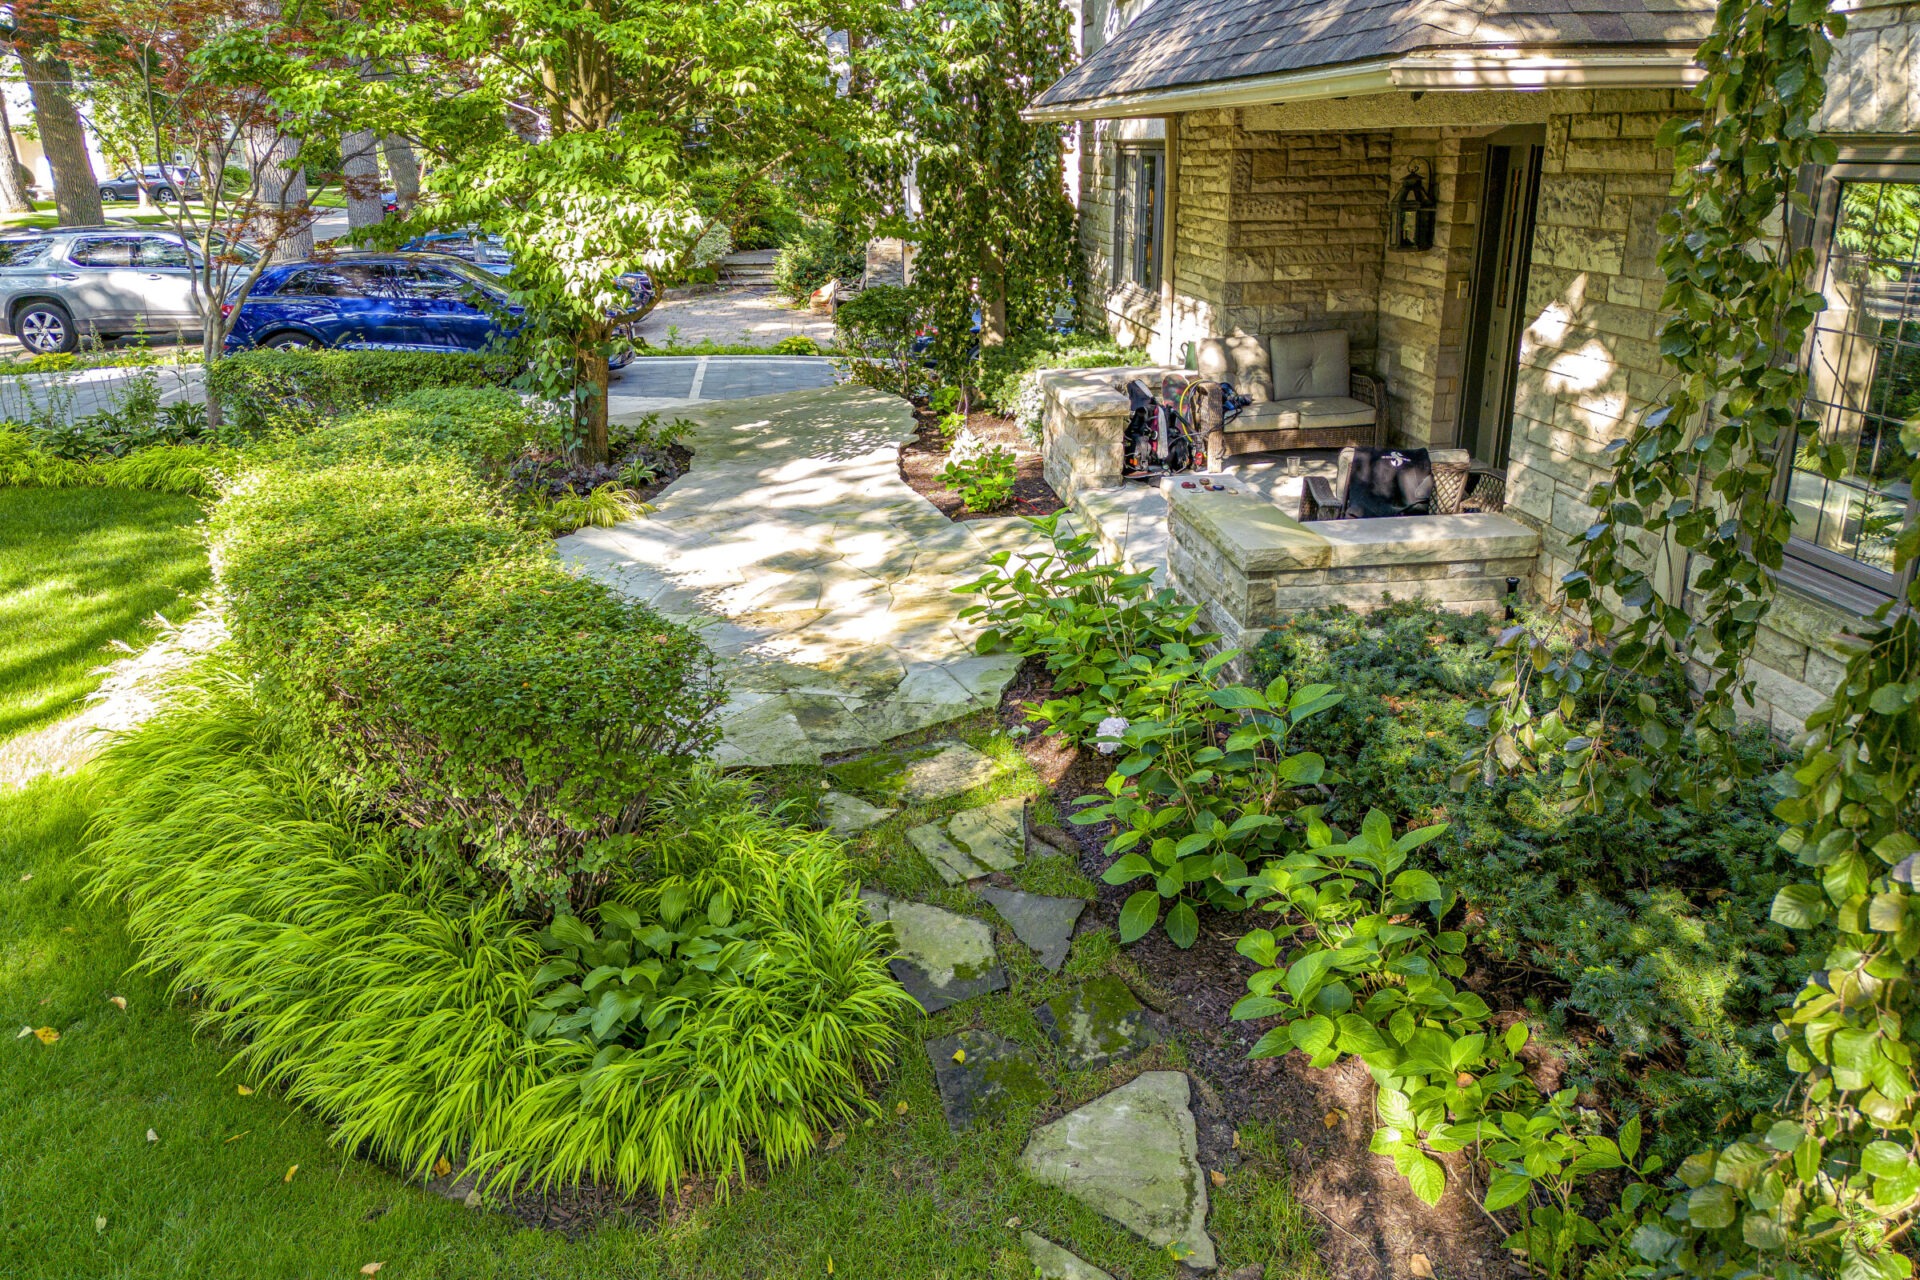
1107,736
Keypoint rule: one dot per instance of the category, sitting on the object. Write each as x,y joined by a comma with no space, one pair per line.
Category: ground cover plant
515,717
1640,943
298,390
82,571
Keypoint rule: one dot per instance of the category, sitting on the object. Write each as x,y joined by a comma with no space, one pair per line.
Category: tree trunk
281,181
993,307
13,192
405,171
76,190
360,171
590,368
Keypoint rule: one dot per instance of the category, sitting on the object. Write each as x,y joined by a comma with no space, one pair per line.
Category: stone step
940,957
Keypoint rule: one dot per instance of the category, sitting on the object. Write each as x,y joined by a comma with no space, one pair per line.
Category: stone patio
820,580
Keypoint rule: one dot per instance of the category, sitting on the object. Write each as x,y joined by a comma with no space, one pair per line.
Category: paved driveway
654,383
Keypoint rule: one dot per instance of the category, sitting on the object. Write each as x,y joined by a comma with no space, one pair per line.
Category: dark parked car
161,183
419,301
489,253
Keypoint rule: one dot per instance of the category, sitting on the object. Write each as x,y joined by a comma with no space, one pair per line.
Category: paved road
91,391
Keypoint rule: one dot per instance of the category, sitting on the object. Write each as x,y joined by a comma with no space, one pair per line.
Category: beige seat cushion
1306,412
1309,364
1241,360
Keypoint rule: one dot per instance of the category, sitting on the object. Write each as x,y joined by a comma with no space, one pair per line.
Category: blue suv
418,301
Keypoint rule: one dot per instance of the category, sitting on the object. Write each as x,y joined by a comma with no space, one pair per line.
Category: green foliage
195,470
486,428
635,978
876,331
606,506
398,1004
512,714
796,344
1205,780
995,230
822,249
1645,938
1006,378
299,390
984,478
944,401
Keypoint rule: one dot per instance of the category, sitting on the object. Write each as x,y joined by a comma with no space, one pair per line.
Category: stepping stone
1043,923
975,842
991,1074
1134,1156
940,958
932,772
849,815
1097,1023
1051,1262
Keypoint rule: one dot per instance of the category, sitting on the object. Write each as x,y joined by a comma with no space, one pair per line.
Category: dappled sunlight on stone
823,583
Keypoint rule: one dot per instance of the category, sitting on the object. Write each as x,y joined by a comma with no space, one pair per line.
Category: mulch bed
921,461
1371,1222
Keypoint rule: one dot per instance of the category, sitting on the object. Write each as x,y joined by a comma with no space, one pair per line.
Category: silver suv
106,281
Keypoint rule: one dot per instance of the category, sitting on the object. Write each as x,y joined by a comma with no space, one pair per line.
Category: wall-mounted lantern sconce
1415,210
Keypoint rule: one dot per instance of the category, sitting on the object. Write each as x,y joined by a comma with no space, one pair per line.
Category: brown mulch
682,460
1371,1222
921,461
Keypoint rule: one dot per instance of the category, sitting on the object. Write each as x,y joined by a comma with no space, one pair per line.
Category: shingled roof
1185,43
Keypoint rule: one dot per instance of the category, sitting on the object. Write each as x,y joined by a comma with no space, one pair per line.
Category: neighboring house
1240,163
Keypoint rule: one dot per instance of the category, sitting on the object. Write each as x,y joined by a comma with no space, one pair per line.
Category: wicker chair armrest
1317,500
1370,390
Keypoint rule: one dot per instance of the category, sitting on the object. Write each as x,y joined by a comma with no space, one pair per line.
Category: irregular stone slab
988,1075
849,815
941,958
976,842
1097,1023
1133,1155
1043,923
933,772
1052,1262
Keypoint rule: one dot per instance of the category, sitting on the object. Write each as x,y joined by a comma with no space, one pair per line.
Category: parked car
162,184
489,253
57,285
418,301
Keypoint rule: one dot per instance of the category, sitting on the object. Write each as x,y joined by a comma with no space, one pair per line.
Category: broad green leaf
1138,915
1712,1207
1130,867
1426,1177
1799,906
1506,1189
1183,926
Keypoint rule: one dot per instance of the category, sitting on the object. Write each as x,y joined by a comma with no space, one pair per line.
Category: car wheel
288,340
163,195
45,328
108,195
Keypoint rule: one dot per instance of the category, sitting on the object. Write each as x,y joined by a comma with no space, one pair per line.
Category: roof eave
1515,70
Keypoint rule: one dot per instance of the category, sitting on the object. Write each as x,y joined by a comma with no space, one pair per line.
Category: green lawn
80,568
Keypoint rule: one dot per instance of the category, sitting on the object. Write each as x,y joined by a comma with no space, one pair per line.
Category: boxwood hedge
508,712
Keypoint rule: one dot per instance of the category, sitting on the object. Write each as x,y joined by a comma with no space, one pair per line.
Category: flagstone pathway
1130,1154
820,580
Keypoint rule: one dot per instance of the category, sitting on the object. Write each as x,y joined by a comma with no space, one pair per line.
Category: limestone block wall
1424,296
1874,85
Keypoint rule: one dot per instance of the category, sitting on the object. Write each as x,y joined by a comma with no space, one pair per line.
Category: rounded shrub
396,1001
300,390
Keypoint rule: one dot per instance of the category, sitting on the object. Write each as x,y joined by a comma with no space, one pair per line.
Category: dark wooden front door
1502,254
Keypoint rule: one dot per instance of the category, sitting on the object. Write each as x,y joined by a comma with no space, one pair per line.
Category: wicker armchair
1305,395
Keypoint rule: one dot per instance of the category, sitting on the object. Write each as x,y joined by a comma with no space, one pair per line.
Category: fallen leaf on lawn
371,1268
829,1264
118,1002
1012,1223
245,1091
27,1031
834,1139
25,876
1333,1117
895,1171
291,1170
1219,1178
1236,1139
442,1167
152,1136
99,1224
900,1108
236,1137
959,1055
473,1200
46,1035
1420,1267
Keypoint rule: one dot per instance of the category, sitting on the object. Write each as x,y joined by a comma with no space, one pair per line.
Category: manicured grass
903,1198
79,569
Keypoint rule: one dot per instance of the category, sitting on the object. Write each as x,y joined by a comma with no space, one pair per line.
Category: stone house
1241,168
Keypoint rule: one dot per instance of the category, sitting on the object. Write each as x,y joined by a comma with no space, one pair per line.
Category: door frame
1525,144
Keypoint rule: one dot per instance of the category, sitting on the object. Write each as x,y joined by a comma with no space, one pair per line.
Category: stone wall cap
1427,539
1249,530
